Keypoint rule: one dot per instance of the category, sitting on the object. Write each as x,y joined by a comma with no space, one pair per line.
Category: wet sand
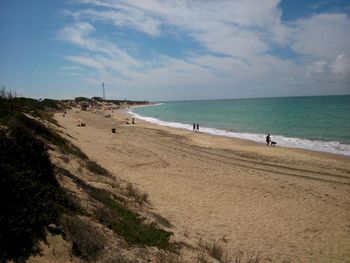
281,203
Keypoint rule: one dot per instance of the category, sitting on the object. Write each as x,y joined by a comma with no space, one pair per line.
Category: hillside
59,206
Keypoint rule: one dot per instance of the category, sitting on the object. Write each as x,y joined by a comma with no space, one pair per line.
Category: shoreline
237,135
282,203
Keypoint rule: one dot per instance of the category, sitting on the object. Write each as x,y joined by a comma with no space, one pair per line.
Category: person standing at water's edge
197,127
268,139
194,127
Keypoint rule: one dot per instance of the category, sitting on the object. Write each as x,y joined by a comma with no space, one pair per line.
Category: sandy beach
278,202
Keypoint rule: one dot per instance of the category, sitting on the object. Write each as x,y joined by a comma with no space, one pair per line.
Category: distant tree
97,98
80,99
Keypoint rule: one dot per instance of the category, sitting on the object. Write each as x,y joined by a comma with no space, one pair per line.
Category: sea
320,123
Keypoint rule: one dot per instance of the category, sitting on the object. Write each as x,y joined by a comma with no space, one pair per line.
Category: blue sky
175,49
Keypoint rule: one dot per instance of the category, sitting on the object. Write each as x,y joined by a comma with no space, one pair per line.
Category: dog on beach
273,143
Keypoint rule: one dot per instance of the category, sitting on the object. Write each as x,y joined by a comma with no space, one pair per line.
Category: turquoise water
316,123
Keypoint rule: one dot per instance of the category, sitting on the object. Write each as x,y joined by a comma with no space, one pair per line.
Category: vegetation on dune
126,223
117,102
9,104
139,197
80,99
87,241
96,168
32,199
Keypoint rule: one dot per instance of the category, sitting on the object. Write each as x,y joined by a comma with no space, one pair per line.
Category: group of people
81,124
127,121
195,127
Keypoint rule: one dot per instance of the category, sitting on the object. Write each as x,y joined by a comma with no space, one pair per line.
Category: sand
278,202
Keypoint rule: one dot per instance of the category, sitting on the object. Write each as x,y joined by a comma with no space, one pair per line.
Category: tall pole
103,89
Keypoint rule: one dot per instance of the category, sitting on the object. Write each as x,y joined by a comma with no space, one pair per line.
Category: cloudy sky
175,49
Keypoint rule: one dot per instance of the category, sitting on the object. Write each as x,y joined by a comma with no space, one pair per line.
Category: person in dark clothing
197,127
194,127
268,140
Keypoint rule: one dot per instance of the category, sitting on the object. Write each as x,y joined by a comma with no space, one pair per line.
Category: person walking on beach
197,127
268,140
194,127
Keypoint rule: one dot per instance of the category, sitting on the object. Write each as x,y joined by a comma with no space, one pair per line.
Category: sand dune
281,203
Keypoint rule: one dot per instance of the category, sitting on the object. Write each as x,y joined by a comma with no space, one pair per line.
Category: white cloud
125,17
317,67
341,66
322,36
244,33
80,34
87,62
230,27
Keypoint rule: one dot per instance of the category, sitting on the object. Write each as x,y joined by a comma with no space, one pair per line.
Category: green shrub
30,196
122,220
127,224
10,104
11,116
80,99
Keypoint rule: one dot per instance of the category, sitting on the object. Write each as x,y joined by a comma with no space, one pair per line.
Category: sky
175,49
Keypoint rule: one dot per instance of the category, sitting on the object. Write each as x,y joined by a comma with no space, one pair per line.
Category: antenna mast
103,90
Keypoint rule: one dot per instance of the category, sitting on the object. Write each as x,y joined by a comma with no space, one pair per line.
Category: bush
122,220
127,224
11,116
30,196
215,250
139,197
162,220
10,103
96,168
87,241
163,257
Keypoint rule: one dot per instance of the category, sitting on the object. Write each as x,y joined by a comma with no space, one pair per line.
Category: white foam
314,145
148,105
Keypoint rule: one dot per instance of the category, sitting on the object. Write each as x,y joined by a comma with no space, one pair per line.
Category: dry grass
162,220
140,198
96,168
65,159
163,257
201,257
187,233
242,257
116,257
215,250
87,241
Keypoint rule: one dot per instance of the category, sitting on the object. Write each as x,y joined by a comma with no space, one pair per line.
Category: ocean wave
157,104
148,105
314,145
